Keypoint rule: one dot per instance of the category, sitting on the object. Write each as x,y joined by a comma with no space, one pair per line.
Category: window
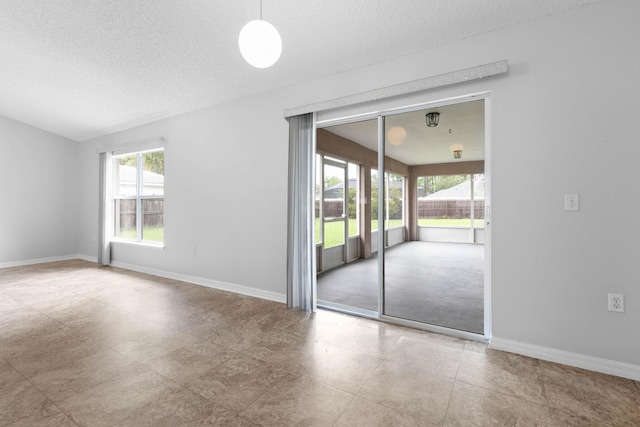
394,200
451,201
138,196
394,203
353,207
331,207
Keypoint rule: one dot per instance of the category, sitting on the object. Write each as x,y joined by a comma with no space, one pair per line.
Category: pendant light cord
261,10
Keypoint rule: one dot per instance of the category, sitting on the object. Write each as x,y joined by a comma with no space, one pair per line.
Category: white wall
563,121
38,199
225,194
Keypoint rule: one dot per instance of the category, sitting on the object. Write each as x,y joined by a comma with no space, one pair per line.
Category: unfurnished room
292,213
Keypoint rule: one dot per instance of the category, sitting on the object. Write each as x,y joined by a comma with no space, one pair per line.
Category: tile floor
87,345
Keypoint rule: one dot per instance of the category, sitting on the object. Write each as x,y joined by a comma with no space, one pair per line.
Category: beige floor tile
145,344
567,418
56,308
189,362
79,375
281,348
476,346
237,382
476,406
343,369
182,408
320,324
298,401
237,336
362,413
277,316
416,392
22,321
57,420
503,372
172,314
9,377
372,340
80,309
113,401
199,321
22,402
9,304
441,357
48,351
115,347
579,396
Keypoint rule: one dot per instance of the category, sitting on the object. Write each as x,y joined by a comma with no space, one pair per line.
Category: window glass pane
153,219
153,173
125,218
333,234
124,176
446,201
478,200
374,199
318,198
131,208
353,208
333,192
395,192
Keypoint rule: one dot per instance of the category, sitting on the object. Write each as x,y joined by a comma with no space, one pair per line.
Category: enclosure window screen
451,201
138,196
395,200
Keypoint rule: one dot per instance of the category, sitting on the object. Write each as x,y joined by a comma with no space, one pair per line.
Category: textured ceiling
85,68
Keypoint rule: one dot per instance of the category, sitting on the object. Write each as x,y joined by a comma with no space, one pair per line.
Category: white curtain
301,262
104,210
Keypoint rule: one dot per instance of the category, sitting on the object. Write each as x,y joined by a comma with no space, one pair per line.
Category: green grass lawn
154,234
334,233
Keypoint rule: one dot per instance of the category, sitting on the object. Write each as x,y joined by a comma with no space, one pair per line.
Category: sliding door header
447,79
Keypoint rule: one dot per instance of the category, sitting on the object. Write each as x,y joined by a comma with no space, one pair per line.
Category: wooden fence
153,213
455,209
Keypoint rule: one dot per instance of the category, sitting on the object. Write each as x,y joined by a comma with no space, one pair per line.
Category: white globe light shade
260,44
396,135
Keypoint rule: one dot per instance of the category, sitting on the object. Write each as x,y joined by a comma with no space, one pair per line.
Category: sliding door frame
380,117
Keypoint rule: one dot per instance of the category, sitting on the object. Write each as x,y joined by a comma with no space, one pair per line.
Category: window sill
159,245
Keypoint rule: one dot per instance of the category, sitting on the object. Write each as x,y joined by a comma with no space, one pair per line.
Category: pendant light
260,43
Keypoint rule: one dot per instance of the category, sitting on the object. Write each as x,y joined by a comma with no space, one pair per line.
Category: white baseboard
38,261
87,258
215,284
605,366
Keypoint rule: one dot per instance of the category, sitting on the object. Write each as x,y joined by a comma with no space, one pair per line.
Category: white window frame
139,197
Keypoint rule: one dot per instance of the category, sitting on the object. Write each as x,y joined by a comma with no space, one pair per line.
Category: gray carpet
436,283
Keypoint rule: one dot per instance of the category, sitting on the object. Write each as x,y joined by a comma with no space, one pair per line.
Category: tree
153,161
433,184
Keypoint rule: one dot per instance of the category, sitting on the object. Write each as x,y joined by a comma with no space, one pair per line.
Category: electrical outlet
571,202
616,302
193,250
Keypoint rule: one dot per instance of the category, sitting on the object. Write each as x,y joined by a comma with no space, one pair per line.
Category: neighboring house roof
461,191
128,174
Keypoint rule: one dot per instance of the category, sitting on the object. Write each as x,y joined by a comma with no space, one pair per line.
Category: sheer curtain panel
104,211
301,263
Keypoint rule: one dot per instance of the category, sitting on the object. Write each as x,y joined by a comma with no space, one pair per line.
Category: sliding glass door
420,217
347,246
